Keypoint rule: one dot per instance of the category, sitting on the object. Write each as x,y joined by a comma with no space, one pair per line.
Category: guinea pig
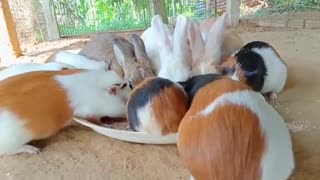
30,67
260,66
156,106
36,105
193,84
231,132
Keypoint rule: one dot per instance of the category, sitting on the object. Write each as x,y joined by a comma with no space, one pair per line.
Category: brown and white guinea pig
260,66
156,106
36,105
231,132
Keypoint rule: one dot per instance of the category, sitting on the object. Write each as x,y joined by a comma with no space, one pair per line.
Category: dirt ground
80,153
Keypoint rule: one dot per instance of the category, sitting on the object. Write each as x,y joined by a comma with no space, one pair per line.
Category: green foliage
82,16
77,17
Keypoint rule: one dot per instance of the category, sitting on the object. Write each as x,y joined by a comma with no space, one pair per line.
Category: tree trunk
159,7
136,9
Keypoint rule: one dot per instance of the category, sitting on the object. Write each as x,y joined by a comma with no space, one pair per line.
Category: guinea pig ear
184,84
124,51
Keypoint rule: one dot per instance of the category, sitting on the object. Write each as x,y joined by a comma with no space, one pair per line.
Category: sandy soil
79,153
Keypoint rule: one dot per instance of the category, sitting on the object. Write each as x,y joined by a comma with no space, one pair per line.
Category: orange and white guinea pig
156,106
36,105
231,132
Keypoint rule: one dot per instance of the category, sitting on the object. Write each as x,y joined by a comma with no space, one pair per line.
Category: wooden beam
9,42
233,10
159,7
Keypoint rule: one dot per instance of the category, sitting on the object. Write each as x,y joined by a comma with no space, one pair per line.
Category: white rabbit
151,38
77,60
174,56
210,51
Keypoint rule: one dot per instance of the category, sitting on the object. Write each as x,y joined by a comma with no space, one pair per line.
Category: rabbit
36,105
174,56
260,66
209,52
231,132
231,39
133,59
76,60
100,48
151,40
156,106
30,67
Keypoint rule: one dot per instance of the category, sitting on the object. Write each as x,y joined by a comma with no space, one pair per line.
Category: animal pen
39,20
33,30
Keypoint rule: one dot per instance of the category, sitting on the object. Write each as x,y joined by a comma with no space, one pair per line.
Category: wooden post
233,10
51,21
159,7
9,42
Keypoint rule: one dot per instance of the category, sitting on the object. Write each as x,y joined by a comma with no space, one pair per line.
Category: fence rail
282,13
76,17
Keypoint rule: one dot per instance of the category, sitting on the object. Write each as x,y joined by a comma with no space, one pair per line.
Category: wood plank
9,42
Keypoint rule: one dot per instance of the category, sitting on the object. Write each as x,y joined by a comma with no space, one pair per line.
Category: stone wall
27,15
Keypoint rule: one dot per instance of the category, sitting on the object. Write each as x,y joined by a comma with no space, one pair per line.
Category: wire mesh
77,17
282,13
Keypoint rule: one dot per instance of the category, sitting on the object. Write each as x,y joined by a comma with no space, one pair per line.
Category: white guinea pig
36,105
231,132
260,66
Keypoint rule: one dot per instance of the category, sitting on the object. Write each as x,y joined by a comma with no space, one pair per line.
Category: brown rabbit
100,48
133,59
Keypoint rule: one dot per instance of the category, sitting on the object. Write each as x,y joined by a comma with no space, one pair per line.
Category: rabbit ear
156,21
162,30
139,47
215,39
123,51
196,41
180,34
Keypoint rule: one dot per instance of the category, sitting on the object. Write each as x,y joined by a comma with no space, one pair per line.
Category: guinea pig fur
193,84
231,132
36,105
260,66
156,106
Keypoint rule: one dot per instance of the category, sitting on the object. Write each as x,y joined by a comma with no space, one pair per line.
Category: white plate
129,136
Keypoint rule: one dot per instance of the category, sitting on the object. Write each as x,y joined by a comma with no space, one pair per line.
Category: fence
76,17
282,13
